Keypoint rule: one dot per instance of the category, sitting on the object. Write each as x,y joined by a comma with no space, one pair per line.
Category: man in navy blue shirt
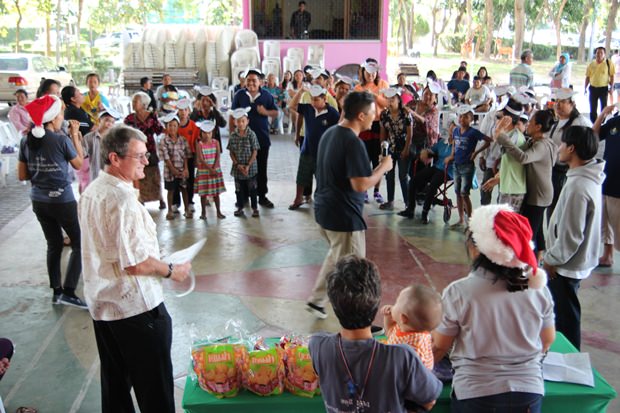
262,106
343,176
610,133
318,117
459,86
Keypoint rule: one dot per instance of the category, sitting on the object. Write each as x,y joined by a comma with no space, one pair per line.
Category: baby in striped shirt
410,320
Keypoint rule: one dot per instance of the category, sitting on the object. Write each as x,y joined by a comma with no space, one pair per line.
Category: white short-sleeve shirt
117,232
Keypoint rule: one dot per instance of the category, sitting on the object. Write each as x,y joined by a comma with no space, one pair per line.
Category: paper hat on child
504,237
240,112
344,79
433,86
41,111
206,125
504,90
315,72
524,117
317,90
169,117
524,98
390,92
563,93
184,103
203,90
370,67
463,109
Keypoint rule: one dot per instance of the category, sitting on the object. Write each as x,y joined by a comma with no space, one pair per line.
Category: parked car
25,71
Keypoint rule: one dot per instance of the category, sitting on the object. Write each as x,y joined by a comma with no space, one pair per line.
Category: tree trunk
488,43
446,17
48,37
519,28
558,28
403,32
539,16
581,50
17,27
611,22
412,21
58,14
434,11
459,17
77,36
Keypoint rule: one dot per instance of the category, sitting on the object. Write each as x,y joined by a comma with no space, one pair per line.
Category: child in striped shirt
410,320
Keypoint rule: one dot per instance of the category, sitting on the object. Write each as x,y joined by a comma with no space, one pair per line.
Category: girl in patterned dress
209,180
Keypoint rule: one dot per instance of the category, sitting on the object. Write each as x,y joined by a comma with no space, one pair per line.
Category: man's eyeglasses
139,156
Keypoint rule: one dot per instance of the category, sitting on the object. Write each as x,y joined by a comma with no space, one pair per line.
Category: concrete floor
258,271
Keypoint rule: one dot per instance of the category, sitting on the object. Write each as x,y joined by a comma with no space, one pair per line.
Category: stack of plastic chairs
297,53
242,60
247,39
291,63
271,65
316,55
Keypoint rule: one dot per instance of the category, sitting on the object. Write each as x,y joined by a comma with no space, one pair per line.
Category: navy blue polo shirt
315,126
258,123
610,133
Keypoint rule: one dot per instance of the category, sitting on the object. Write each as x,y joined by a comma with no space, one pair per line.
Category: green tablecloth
559,397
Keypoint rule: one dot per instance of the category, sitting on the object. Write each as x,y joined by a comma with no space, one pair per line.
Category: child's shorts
463,177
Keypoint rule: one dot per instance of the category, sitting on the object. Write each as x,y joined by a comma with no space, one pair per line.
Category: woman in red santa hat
499,318
44,157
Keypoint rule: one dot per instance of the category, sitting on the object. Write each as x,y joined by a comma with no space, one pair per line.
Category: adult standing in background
92,141
343,176
262,107
74,99
300,22
166,80
18,115
560,74
146,85
147,123
599,81
44,159
522,74
122,281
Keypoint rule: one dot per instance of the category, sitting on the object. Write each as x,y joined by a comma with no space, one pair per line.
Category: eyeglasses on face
140,156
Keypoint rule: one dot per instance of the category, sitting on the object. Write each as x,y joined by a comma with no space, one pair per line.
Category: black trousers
536,215
486,196
597,94
567,308
261,178
190,179
431,176
53,219
135,352
558,179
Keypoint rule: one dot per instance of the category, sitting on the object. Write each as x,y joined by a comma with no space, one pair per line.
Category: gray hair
117,140
144,98
525,54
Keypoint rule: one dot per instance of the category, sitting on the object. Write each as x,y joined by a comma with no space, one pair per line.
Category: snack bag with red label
218,368
300,376
264,374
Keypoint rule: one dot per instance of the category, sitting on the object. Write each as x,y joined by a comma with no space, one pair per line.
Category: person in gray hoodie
574,235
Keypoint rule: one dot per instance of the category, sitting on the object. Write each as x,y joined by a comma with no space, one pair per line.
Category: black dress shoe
265,202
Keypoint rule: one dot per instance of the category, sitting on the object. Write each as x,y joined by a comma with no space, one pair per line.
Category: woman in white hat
499,318
44,158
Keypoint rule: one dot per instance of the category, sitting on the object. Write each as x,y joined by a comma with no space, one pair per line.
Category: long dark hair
513,277
294,81
363,79
34,143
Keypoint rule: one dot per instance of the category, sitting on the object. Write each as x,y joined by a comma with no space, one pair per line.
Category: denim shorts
616,86
463,177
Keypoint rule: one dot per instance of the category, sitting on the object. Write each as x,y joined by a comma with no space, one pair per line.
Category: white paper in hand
568,368
187,255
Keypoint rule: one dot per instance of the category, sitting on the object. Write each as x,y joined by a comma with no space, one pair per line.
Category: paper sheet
568,368
187,255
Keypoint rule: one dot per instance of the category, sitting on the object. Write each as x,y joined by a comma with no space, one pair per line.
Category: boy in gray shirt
356,372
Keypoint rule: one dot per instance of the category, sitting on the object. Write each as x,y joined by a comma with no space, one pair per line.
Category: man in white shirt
122,281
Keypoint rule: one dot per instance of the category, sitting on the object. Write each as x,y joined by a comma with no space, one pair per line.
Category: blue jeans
463,177
567,307
403,177
512,402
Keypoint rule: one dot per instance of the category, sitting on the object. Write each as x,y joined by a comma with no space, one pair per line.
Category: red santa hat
41,111
504,237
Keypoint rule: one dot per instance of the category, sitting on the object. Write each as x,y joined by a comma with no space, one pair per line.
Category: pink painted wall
339,52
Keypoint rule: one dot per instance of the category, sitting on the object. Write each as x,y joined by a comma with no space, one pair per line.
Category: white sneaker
174,209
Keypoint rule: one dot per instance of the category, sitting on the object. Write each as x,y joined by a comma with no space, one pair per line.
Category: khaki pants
611,221
340,244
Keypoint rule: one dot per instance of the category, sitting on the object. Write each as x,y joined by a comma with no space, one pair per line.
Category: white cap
184,103
504,90
370,67
317,90
110,112
391,92
240,112
206,125
254,70
463,109
345,79
433,86
524,98
563,93
317,71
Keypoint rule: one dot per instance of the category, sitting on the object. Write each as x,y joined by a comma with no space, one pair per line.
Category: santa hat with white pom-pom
43,110
504,237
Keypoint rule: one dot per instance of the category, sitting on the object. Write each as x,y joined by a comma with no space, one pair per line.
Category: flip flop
295,205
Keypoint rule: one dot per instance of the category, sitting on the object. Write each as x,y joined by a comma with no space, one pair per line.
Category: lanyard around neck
352,386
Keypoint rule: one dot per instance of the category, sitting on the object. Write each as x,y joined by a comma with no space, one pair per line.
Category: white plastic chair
291,63
244,58
220,83
297,52
316,55
223,100
271,48
247,39
271,65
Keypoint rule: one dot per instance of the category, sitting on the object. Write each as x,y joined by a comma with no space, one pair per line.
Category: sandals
221,216
295,205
